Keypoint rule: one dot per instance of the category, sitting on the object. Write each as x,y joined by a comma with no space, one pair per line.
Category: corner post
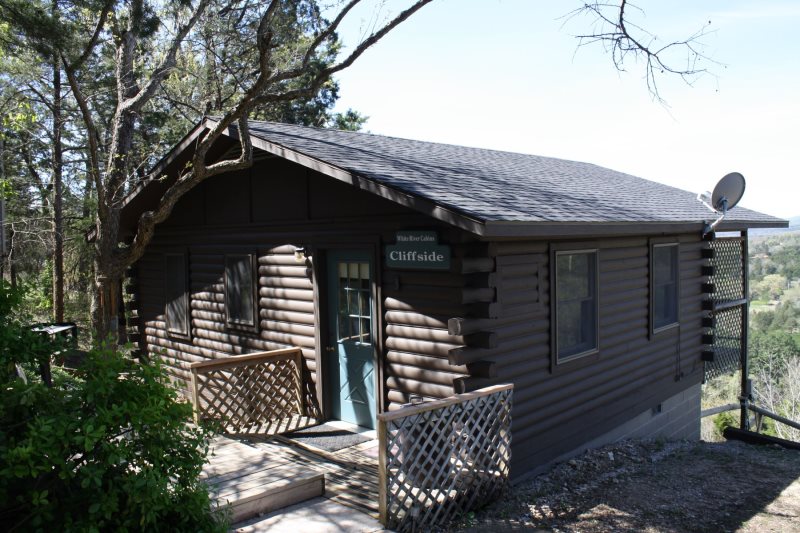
298,376
746,392
195,396
383,497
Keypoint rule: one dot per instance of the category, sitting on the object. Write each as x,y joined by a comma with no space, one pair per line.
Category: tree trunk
58,216
86,209
2,205
105,309
12,268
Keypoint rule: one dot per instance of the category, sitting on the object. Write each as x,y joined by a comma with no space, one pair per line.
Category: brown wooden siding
299,207
485,321
417,306
558,409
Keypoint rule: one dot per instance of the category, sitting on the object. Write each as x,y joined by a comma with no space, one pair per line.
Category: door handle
330,349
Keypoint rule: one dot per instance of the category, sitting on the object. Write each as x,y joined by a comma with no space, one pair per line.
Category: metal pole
744,421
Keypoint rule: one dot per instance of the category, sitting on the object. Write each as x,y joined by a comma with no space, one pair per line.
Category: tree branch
623,39
93,140
162,71
198,173
101,22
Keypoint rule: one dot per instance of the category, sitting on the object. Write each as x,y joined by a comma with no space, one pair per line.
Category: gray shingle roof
495,186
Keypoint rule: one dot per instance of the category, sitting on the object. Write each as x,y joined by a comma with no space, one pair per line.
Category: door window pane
576,303
355,309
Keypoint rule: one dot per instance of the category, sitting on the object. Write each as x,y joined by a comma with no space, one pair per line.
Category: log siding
557,409
486,321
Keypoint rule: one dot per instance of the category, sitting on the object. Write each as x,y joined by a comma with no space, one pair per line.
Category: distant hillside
794,225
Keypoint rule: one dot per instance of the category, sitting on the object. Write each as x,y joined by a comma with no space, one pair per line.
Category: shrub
110,451
724,420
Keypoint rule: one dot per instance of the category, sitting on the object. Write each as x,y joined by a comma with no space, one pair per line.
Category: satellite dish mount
726,195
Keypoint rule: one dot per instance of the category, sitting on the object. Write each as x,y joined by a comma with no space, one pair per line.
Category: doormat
327,437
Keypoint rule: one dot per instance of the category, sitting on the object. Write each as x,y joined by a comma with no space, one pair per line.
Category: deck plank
255,475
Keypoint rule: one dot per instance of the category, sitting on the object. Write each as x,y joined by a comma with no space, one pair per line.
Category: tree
135,46
776,377
286,53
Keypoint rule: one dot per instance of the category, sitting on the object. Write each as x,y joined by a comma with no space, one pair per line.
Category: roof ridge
435,143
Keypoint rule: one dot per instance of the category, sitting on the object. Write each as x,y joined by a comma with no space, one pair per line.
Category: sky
509,75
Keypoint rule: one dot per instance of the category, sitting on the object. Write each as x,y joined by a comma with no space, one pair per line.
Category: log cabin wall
267,211
557,409
417,308
485,321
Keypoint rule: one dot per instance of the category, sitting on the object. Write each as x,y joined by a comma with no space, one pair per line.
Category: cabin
407,272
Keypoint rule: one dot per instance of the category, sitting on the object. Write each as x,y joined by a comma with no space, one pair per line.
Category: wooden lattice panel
255,393
442,459
729,311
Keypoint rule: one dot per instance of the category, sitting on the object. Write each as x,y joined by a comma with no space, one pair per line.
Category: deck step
257,495
257,480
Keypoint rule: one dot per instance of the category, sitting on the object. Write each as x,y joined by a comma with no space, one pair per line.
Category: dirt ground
657,487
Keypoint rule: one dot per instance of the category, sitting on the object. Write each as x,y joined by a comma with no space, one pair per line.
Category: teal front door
350,347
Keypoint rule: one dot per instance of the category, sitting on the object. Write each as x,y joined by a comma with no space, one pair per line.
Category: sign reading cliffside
418,250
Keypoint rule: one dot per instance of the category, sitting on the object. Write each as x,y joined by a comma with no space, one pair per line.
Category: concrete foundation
676,418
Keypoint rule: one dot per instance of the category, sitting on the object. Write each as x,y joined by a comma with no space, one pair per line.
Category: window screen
239,290
576,303
177,299
664,285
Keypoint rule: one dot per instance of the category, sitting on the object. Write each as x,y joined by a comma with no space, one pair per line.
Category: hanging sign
418,250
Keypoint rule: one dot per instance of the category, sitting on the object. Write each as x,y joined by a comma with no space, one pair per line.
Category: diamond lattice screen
256,396
445,462
729,264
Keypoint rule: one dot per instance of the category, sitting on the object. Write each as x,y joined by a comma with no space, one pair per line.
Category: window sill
248,328
663,329
179,335
575,361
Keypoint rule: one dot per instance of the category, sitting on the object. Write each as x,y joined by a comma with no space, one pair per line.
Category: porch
426,464
255,476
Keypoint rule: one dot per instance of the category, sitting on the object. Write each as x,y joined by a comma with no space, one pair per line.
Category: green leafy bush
110,451
18,344
725,420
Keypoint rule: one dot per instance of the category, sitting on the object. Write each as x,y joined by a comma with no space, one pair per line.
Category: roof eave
165,161
506,229
481,228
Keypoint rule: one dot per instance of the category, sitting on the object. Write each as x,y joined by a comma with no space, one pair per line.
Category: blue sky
507,75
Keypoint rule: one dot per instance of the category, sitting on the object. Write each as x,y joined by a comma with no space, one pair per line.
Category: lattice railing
729,263
727,344
441,459
260,393
728,305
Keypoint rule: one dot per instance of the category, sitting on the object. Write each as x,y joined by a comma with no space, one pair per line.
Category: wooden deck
257,476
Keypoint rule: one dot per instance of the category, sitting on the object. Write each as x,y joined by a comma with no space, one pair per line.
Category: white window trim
557,359
652,286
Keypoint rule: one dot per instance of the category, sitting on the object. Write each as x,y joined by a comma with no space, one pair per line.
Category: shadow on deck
256,475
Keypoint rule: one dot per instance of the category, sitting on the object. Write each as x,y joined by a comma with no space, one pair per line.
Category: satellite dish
728,192
726,195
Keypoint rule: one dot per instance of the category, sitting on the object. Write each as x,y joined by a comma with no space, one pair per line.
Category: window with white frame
575,304
664,286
